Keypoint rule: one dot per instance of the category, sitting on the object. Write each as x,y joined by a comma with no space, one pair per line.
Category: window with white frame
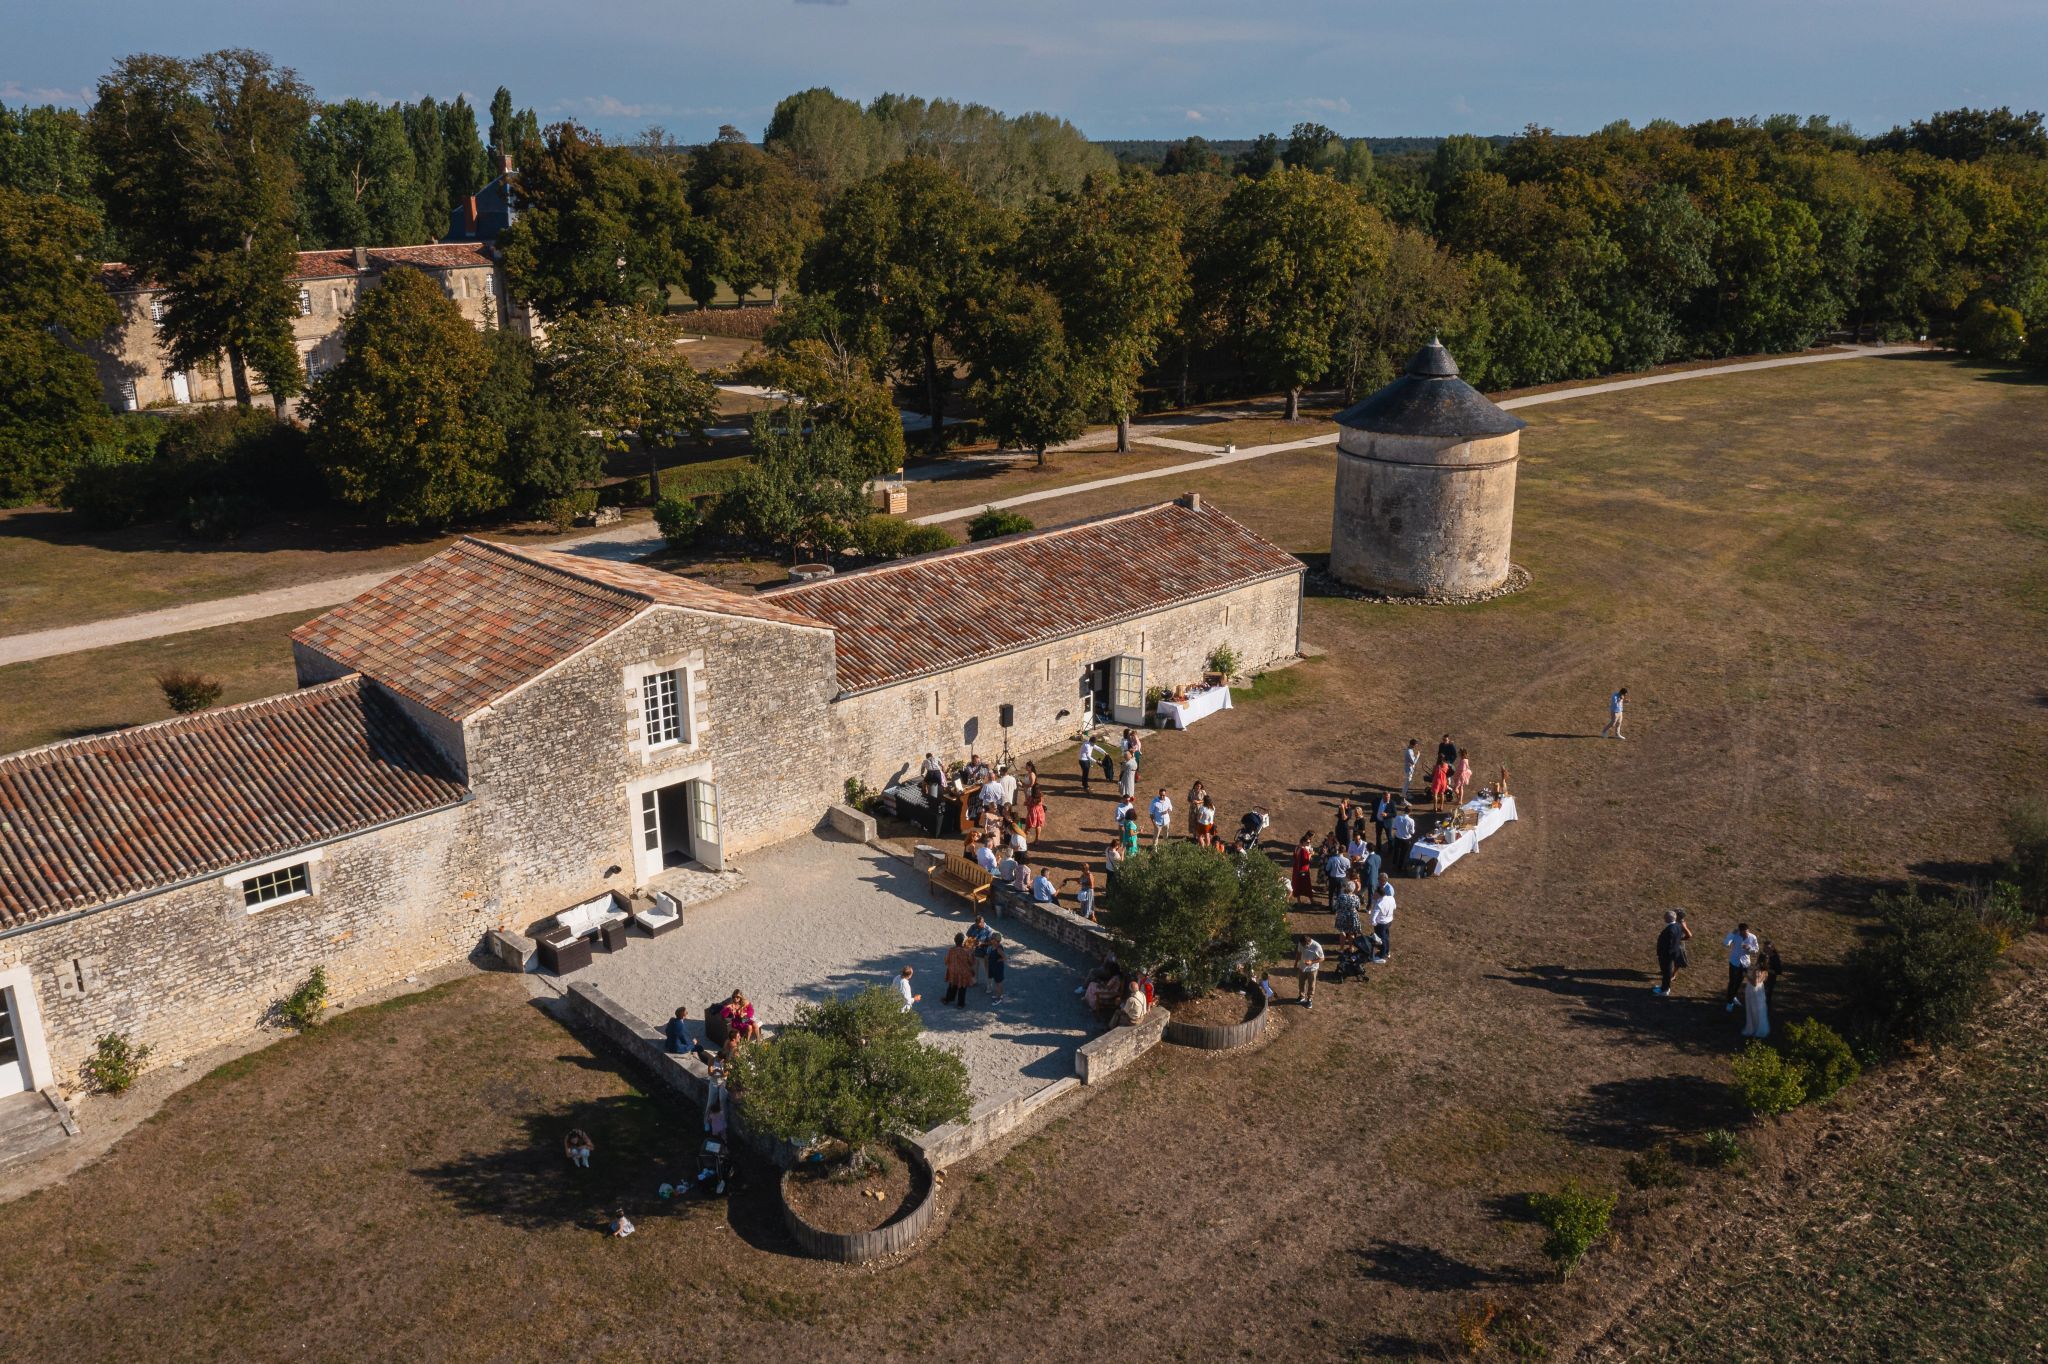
128,403
663,716
156,311
305,303
271,887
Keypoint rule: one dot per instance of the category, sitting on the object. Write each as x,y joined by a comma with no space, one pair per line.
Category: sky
1116,68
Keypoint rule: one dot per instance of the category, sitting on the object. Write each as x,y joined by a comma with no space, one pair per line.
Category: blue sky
1117,68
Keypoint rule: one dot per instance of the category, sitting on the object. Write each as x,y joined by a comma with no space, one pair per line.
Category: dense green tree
1198,205
598,227
1112,257
469,166
626,373
513,131
1294,242
828,139
199,173
396,428
1990,332
547,454
359,169
45,150
1261,158
837,387
1971,134
423,130
902,256
805,487
1031,383
1194,918
1191,156
51,411
759,216
1419,291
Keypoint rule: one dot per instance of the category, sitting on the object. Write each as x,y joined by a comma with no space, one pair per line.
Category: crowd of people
1754,966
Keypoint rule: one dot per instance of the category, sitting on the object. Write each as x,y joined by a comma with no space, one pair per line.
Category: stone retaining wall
1068,930
860,1247
956,1141
1223,1036
1098,1058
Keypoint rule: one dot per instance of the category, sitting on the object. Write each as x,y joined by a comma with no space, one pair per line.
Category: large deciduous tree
360,176
1112,257
838,388
1031,384
201,184
396,428
598,227
903,254
804,487
758,216
1292,243
50,406
625,372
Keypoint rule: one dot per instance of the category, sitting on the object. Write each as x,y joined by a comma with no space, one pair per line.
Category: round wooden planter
861,1246
1222,1036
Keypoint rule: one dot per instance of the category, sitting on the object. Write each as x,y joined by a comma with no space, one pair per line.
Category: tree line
932,246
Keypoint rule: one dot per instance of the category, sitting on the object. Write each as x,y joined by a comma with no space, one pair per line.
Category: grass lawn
48,699
1827,592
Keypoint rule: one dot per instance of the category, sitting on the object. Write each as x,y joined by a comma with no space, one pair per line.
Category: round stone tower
1425,501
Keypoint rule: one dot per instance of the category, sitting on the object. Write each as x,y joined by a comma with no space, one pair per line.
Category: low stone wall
1098,1058
1223,1036
855,824
955,1141
1068,930
860,1247
514,950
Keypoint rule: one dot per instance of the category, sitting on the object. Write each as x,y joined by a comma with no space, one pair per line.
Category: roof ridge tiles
212,717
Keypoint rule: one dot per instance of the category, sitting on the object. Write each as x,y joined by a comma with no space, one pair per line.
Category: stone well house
495,733
136,373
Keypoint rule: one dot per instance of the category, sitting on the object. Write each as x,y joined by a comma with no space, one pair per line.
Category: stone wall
884,734
553,763
1423,517
1100,1057
188,968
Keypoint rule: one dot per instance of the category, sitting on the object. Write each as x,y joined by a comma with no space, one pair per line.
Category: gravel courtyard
820,917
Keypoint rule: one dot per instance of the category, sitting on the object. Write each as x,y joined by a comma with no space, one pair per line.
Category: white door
181,388
1127,690
647,836
13,1063
705,844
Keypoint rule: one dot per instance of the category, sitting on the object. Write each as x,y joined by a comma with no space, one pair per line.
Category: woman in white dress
1756,1014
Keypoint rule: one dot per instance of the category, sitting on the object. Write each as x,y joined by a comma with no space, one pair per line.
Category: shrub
2004,911
1823,1060
219,516
1576,1218
1766,1082
1223,659
187,692
853,1070
115,1063
880,537
300,1010
2026,868
926,540
1653,1169
992,523
1925,974
679,521
1197,918
1717,1149
859,794
564,511
114,486
1989,332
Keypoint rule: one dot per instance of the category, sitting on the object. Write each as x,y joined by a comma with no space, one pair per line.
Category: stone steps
29,1126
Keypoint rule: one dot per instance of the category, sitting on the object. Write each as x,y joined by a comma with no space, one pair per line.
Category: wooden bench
962,876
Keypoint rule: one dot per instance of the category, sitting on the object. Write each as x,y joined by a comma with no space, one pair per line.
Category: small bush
2004,911
2026,867
992,523
1717,1149
300,1010
115,1063
1223,659
859,794
564,511
1926,974
114,486
1653,1169
880,537
1989,332
679,521
1576,1218
926,540
188,692
220,516
1765,1082
1823,1060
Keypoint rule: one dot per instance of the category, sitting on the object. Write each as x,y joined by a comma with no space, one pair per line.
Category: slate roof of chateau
1429,399
461,630
94,820
925,614
338,263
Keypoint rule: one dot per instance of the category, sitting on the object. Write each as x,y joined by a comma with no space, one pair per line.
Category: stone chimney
362,258
1192,501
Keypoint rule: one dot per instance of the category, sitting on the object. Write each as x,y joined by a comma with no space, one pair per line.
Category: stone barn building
494,734
1425,500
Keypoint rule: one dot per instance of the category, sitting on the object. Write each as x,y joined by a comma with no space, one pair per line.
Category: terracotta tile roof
462,629
336,264
93,820
937,611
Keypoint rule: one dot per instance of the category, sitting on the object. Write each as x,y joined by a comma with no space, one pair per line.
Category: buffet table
1181,714
1429,859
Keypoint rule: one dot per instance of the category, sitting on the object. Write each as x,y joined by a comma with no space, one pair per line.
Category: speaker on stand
1006,715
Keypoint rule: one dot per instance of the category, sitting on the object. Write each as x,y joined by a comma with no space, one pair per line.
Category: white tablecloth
1181,714
1441,855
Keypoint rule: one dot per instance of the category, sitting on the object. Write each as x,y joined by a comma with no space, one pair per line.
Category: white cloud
1462,107
1195,116
14,92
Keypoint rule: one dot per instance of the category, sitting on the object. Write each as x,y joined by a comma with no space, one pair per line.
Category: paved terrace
821,916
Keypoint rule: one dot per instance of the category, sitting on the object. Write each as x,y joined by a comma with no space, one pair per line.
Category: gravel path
820,917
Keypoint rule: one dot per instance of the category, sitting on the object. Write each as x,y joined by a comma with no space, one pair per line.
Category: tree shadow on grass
1619,1000
1546,734
1427,1269
1635,1114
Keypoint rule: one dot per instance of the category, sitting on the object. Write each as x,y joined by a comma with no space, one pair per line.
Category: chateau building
495,734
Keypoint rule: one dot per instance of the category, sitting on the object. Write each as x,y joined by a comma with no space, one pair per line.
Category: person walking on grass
1091,753
1162,816
1672,955
1756,1002
1302,884
1307,962
1742,952
1409,757
1383,921
1615,705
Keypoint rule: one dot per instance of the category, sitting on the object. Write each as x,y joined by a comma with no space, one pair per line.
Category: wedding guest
1303,881
1672,954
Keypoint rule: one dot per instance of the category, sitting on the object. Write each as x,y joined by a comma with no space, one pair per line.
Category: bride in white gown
1756,1016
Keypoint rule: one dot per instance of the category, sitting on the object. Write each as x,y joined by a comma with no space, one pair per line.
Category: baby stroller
1352,957
714,1168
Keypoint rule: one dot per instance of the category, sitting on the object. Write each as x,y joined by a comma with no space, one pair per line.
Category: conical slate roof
1430,400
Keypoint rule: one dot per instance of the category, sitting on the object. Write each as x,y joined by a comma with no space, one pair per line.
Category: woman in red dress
1440,784
1034,813
1303,883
